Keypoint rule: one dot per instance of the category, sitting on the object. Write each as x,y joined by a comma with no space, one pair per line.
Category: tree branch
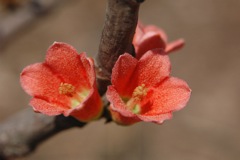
22,16
21,134
117,35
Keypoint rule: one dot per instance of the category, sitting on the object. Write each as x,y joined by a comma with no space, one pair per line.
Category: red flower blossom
142,90
150,37
64,84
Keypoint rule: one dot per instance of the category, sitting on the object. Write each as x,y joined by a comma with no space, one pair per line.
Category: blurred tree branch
21,133
21,16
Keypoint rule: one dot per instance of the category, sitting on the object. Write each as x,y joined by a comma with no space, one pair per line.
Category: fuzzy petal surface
175,45
139,32
42,106
39,81
90,109
159,119
148,42
171,95
128,72
150,37
117,103
152,28
122,74
67,63
152,68
122,120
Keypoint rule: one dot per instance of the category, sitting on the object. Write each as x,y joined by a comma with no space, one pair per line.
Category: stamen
139,92
66,89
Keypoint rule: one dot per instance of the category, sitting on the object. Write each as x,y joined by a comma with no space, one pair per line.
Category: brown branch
117,35
22,16
21,134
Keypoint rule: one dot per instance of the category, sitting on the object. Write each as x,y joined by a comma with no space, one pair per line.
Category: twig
22,133
22,16
119,28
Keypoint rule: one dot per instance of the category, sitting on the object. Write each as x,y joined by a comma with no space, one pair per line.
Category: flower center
66,89
139,92
76,97
137,96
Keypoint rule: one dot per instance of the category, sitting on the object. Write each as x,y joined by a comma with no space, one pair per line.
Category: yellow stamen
75,96
138,94
66,89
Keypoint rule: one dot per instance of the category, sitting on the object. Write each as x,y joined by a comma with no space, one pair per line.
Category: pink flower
150,37
64,84
143,90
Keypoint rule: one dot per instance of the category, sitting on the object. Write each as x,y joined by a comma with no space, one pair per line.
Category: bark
21,133
117,35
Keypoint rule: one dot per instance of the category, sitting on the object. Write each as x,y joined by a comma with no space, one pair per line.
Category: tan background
207,129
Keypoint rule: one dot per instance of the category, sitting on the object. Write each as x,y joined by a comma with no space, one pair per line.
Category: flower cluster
141,90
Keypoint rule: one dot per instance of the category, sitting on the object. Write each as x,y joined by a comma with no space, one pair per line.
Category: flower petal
88,65
117,103
171,95
89,109
122,120
64,60
156,118
149,41
152,28
42,106
175,45
153,67
39,81
139,32
122,74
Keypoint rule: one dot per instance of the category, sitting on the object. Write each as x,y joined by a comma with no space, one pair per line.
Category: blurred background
207,129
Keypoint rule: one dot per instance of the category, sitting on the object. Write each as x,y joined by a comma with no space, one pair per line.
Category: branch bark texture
117,35
23,132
